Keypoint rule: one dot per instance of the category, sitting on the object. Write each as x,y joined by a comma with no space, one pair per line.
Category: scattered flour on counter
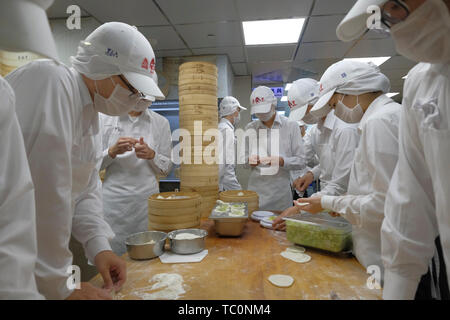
186,236
170,283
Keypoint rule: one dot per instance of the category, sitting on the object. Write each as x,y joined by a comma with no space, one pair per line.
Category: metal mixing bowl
188,246
139,245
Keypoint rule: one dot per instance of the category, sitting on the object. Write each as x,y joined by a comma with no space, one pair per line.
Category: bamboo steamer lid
202,99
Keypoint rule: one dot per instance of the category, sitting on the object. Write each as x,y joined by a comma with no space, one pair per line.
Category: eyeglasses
393,12
134,93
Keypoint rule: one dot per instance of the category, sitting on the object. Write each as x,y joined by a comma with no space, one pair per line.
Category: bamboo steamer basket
195,170
206,87
172,214
198,67
208,79
201,99
199,109
251,197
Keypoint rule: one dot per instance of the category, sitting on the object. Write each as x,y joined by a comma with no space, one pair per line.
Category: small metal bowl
139,245
188,246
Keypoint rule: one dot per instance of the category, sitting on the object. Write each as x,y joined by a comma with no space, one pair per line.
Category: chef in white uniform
356,90
57,108
276,151
229,113
418,204
331,139
137,149
18,246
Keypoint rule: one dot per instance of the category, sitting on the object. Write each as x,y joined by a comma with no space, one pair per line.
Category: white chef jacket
274,191
61,134
18,248
418,203
129,181
227,166
334,142
374,163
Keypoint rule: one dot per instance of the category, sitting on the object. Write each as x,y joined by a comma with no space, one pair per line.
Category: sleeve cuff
316,172
327,202
397,287
107,160
95,246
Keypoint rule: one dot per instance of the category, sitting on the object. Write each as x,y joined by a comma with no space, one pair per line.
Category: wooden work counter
238,268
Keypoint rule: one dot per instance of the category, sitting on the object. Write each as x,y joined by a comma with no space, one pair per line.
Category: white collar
227,122
89,115
373,107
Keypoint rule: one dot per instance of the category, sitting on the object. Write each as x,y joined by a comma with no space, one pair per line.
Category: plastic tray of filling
319,231
229,218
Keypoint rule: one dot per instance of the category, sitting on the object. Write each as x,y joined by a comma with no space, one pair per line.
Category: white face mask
424,35
319,114
349,115
266,116
142,105
121,101
309,119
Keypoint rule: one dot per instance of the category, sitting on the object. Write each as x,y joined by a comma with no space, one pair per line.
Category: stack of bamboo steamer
172,214
250,197
197,88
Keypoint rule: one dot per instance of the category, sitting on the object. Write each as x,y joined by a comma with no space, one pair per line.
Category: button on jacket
374,163
61,134
418,202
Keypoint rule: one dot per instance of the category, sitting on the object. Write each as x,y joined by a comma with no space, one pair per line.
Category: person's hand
279,223
112,269
89,292
311,205
122,145
276,161
143,151
334,214
254,160
303,182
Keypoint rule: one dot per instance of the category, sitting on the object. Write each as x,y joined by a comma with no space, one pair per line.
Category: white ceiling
198,27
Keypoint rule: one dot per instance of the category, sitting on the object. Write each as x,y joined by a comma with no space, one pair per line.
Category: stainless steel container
229,225
232,227
146,245
187,246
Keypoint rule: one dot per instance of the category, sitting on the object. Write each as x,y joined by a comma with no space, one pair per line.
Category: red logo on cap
257,100
144,64
321,88
152,66
292,104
